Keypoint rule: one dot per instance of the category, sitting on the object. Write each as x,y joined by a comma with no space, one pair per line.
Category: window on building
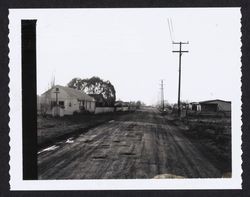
61,104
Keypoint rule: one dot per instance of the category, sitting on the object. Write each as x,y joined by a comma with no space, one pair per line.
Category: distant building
182,106
188,106
66,100
121,106
215,105
100,101
195,106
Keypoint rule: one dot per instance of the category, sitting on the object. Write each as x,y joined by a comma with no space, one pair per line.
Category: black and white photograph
129,98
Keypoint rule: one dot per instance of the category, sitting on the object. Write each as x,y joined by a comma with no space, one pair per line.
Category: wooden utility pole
179,87
57,92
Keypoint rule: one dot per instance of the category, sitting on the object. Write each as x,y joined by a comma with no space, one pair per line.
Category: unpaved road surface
142,144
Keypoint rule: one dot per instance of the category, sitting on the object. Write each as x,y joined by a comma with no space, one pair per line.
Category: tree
95,85
139,104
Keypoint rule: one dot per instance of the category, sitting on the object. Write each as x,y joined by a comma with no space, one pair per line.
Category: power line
170,32
172,28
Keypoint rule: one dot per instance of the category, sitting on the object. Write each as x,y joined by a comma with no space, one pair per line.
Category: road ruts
137,145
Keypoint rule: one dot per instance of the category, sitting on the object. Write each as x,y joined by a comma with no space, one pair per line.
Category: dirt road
142,144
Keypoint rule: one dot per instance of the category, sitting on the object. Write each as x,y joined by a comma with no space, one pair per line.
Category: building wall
196,107
57,111
224,106
218,105
209,107
71,105
89,106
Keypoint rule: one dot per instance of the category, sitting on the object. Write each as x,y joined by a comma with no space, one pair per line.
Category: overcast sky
132,49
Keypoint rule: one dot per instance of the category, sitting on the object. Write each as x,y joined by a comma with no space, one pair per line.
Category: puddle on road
130,135
127,153
70,141
54,147
99,156
105,145
125,144
86,139
129,150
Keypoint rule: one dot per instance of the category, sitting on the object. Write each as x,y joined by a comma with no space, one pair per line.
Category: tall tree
95,85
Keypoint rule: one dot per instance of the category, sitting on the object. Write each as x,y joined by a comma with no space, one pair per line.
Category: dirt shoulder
211,136
52,129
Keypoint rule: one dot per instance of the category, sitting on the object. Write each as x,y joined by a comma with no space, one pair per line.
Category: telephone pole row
179,86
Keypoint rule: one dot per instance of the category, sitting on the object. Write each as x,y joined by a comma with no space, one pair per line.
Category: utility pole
179,86
162,95
57,92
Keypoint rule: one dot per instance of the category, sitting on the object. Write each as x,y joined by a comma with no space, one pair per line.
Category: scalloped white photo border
15,124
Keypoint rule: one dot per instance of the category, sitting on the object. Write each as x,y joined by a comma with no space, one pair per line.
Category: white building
61,100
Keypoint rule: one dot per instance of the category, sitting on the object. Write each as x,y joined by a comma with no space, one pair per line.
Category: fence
100,110
122,109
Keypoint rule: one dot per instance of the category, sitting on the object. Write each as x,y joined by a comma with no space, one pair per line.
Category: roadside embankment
52,129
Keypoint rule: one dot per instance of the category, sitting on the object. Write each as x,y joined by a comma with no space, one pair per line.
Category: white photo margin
15,124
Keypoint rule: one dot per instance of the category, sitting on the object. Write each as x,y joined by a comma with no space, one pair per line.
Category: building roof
194,103
73,93
214,101
121,104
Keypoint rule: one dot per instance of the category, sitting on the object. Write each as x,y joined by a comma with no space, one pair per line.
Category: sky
132,49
